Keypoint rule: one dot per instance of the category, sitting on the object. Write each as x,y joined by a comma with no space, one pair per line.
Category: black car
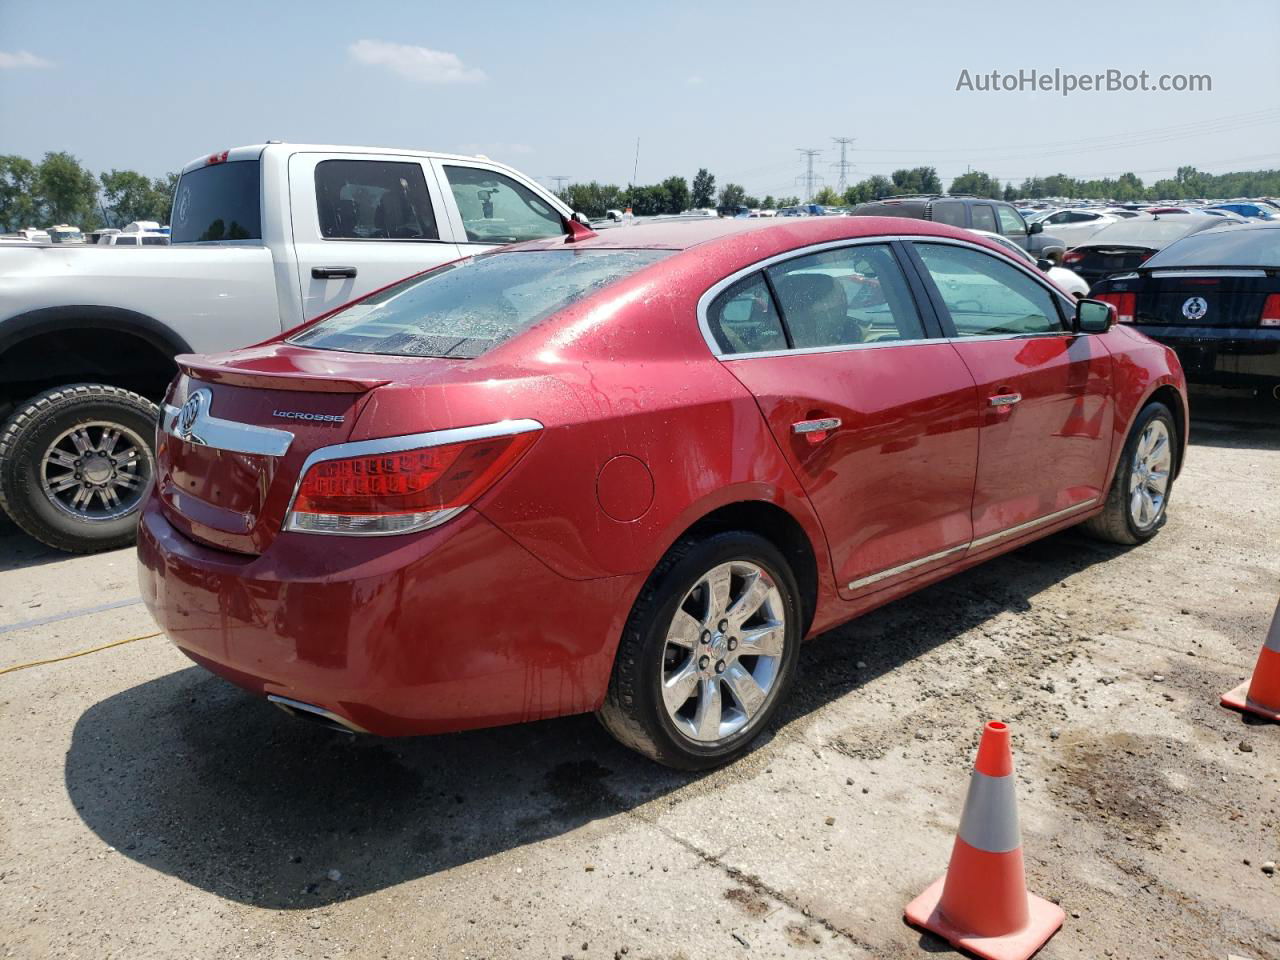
972,213
1214,297
1126,245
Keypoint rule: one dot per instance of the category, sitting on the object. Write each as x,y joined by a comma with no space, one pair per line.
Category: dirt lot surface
148,809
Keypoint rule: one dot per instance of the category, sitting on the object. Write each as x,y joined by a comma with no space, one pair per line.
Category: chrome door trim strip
971,545
1029,524
903,568
192,423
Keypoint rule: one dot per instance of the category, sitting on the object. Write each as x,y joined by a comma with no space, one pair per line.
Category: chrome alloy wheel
1149,479
97,471
723,652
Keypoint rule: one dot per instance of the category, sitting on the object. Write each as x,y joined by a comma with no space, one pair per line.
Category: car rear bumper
457,628
1235,356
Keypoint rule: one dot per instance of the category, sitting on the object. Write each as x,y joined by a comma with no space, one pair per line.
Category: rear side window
948,211
986,297
222,201
984,218
744,319
496,209
155,241
846,296
373,200
465,308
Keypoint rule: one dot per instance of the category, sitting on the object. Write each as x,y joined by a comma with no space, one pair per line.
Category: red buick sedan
629,473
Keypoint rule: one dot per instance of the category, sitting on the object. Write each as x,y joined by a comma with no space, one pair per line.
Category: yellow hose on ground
72,656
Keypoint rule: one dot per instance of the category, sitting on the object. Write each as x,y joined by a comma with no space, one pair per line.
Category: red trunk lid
238,429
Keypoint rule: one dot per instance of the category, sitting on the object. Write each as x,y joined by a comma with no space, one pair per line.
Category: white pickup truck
263,238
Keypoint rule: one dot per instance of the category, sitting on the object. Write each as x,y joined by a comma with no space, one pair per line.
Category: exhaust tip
309,711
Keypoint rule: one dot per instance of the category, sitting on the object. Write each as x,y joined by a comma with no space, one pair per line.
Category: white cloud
694,81
415,63
23,60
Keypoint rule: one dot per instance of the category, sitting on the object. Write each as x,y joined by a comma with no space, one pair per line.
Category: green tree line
59,189
674,194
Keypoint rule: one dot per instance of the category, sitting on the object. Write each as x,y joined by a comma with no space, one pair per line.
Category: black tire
633,710
27,436
1116,524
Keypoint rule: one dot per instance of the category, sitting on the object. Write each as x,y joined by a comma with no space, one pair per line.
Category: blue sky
566,88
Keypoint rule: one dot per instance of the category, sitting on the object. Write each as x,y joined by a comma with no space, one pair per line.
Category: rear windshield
218,202
465,308
1249,247
1152,234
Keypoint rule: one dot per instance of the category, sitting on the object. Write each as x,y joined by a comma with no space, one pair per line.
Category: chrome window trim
704,301
229,435
970,545
410,441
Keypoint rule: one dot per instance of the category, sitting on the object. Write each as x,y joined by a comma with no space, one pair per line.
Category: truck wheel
76,463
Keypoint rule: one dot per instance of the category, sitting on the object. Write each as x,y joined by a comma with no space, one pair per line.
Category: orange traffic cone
982,904
1261,695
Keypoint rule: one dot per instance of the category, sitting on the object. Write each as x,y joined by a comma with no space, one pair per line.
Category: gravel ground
150,810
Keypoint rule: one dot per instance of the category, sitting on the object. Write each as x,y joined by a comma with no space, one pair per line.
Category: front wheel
708,652
76,464
1139,496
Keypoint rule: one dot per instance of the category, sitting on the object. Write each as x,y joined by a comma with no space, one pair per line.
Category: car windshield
463,309
1256,247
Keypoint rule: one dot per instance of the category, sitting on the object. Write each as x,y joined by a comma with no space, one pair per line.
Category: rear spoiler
243,373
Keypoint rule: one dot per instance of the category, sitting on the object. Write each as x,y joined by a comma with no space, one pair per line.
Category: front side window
373,200
846,296
496,209
744,319
984,218
986,297
126,241
1011,225
465,308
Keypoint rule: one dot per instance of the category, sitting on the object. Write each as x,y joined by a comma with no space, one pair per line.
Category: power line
560,182
842,165
808,178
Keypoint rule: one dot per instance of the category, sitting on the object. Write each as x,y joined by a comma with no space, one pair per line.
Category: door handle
815,431
332,273
1004,399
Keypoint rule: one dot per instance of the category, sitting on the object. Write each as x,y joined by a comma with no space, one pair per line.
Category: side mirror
1094,316
1044,265
1036,227
581,218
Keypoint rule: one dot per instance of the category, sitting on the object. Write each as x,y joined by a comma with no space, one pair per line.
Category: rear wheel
76,464
1139,496
708,652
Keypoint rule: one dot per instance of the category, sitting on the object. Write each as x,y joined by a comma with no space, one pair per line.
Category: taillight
1072,256
1271,311
404,484
1125,303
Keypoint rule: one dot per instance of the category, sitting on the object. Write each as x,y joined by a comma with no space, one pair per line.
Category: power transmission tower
843,166
808,178
560,182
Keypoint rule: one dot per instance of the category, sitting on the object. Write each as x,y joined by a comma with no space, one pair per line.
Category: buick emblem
1194,308
189,414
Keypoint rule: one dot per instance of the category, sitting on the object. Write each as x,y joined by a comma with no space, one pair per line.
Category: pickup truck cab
262,239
